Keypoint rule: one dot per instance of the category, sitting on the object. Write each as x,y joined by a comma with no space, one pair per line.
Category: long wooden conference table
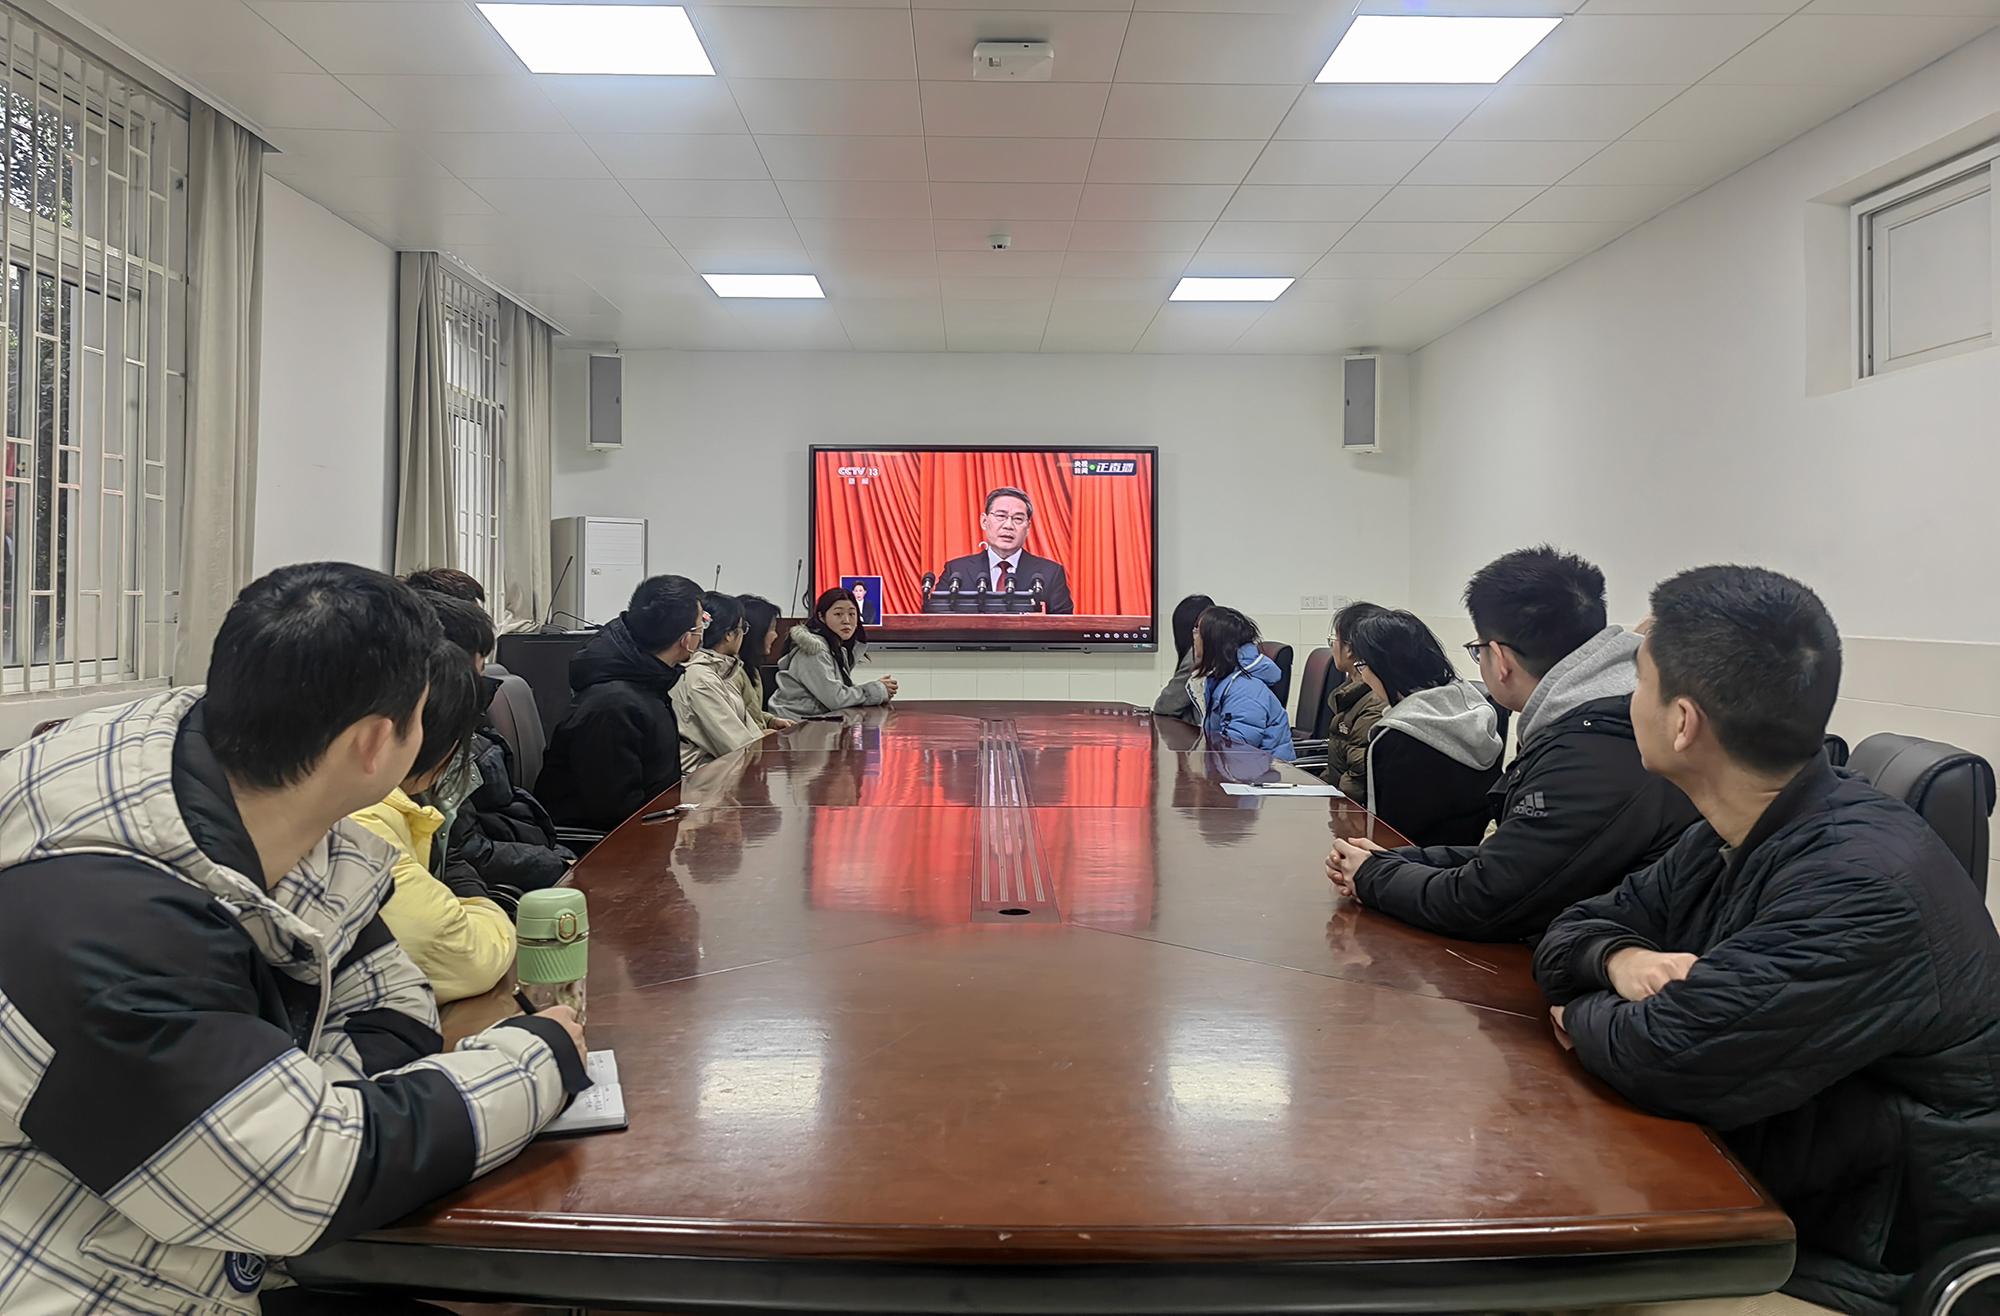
1011,1008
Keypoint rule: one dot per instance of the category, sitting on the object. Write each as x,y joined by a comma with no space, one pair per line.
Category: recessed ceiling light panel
1229,290
628,39
765,285
1386,48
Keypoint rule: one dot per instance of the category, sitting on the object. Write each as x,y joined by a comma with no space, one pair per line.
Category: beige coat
713,718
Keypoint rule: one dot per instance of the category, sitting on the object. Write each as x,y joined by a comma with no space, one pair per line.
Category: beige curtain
225,330
527,438
425,511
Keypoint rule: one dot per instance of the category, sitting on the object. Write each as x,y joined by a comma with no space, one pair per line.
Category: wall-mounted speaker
606,422
1374,389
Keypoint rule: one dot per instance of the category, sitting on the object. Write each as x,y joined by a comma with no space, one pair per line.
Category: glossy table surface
1181,1046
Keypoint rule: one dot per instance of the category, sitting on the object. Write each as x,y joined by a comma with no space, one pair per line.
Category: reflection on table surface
1203,1053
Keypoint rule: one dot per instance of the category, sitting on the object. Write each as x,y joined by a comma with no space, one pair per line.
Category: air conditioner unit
599,561
605,423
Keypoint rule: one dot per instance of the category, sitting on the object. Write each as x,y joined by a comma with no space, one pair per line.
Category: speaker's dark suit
972,568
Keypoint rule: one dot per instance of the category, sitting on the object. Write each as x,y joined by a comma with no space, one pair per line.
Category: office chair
1952,788
1836,751
1281,654
519,721
1962,1276
1314,716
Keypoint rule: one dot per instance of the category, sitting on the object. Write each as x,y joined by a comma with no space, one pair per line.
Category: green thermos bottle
554,933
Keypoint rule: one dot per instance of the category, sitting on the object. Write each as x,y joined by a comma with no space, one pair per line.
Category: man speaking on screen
1004,564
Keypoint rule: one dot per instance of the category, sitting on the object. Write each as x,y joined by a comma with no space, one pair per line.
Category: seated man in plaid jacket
213,1055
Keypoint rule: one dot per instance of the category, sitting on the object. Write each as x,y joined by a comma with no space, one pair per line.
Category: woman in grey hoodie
1436,751
816,675
1176,700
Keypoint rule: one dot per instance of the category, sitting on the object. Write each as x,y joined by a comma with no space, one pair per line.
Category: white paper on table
597,1108
1319,789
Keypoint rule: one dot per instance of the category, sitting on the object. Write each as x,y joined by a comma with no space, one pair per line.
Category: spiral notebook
597,1108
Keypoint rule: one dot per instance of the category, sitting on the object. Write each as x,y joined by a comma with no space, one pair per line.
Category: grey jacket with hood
811,683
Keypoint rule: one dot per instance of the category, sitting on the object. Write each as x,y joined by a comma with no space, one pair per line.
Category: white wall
1257,506
326,485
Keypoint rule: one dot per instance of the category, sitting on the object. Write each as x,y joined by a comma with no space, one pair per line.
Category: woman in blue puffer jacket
1231,685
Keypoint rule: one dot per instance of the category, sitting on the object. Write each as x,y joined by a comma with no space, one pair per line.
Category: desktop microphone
1035,603
797,575
716,588
928,584
957,583
551,619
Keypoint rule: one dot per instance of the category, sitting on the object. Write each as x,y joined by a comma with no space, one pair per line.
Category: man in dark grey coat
1809,970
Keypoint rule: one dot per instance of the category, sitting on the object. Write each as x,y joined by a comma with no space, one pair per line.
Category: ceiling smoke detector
1013,61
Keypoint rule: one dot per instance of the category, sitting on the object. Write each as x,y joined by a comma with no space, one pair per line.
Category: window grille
475,382
95,234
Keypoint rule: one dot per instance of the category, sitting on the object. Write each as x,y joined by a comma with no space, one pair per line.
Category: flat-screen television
992,548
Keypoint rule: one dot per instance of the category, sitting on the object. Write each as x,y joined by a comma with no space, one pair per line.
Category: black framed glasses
1472,649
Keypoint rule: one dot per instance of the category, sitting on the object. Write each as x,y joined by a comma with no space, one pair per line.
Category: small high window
1926,266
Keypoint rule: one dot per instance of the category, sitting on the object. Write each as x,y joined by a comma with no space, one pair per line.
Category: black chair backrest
1836,751
1281,654
1314,715
543,662
1952,788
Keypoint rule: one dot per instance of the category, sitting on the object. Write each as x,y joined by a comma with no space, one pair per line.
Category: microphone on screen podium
1035,594
928,584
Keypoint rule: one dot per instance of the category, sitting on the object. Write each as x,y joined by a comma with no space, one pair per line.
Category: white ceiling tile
773,41
1630,49
1433,307
1096,326
1384,113
783,326
1004,201
1026,6
1637,162
748,236
375,154
893,325
1086,41
821,200
1337,162
1913,7
1149,201
1502,265
1000,264
1199,326
513,103
1210,264
1319,202
1193,111
1157,160
1842,49
648,105
1124,264
391,36
1552,113
1012,109
1151,292
1533,237
296,100
1689,6
514,155
877,264
1231,48
580,235
1129,235
1272,236
976,287
749,198
1008,159
197,36
851,159
1392,266
990,326
1410,237
1760,117
677,155
838,109
1406,204
1280,334
422,196
1518,164
976,235
1606,204
576,196
864,234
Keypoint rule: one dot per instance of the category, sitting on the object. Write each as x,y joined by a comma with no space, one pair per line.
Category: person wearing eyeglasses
1004,562
714,719
620,744
1576,810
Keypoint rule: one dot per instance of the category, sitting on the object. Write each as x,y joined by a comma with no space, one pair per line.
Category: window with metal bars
475,389
95,236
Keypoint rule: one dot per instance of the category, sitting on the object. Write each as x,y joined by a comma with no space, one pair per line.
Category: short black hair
758,614
1541,602
663,609
1758,653
1186,613
448,580
304,653
725,614
465,623
1223,632
1402,652
1009,491
1345,620
451,709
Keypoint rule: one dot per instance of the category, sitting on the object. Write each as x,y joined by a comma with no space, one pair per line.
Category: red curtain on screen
899,514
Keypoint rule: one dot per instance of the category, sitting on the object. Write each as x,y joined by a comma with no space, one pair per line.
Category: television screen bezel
974,641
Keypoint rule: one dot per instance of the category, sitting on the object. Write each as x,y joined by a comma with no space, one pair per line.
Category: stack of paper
598,1107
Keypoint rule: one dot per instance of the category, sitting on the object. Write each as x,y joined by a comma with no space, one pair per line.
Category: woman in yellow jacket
463,946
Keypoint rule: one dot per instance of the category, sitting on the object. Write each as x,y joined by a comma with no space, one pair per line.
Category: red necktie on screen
1000,580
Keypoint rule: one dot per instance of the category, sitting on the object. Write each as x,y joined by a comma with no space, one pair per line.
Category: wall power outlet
1312,602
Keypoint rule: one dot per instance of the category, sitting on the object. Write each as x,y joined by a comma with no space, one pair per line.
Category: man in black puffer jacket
500,830
1575,811
620,744
1809,970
